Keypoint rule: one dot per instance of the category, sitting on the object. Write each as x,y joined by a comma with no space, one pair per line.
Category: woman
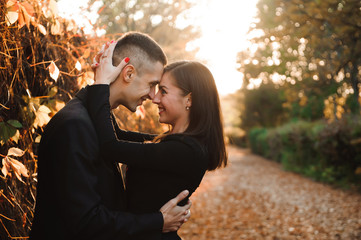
188,101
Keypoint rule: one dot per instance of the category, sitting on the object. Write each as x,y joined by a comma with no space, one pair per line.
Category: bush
44,61
236,136
327,152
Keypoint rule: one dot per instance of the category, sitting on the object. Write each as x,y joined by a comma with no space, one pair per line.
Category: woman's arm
172,155
129,135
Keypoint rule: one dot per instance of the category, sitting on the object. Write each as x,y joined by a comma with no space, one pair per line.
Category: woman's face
172,104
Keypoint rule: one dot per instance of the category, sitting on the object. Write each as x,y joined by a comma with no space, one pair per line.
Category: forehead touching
167,81
152,72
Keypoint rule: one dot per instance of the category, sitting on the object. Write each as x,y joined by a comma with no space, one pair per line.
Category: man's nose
151,94
156,98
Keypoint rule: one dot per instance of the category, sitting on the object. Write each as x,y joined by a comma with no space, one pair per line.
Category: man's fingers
181,196
188,205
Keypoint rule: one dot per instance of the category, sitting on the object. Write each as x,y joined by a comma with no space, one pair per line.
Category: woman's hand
104,71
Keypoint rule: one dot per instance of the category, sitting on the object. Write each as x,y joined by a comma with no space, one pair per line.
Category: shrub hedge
325,151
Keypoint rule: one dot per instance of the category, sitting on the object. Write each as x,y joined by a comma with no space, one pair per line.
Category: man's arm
172,213
81,207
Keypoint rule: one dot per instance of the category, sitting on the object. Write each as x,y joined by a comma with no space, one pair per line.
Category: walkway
254,198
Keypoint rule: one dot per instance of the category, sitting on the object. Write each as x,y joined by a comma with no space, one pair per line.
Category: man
80,195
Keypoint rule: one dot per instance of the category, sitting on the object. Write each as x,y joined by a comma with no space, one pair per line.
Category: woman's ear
189,100
128,73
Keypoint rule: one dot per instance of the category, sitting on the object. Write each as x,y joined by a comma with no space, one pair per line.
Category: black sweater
157,172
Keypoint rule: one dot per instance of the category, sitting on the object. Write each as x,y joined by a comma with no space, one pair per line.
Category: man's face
143,87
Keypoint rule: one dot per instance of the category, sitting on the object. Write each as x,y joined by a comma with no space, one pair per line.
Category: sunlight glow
224,25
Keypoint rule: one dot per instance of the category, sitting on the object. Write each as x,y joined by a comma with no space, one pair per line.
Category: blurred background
288,73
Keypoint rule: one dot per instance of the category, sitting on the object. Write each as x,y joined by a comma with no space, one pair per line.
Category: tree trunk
355,87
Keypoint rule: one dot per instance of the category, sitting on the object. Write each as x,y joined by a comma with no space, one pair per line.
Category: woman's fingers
99,55
122,64
108,51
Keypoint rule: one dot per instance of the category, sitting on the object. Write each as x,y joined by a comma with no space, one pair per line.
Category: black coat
156,172
79,195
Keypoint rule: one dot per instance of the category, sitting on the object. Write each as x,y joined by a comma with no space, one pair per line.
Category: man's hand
174,216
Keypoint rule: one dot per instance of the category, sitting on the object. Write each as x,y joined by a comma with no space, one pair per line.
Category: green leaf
15,123
7,131
53,91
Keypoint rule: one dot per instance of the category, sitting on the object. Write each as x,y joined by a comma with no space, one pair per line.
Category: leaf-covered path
254,198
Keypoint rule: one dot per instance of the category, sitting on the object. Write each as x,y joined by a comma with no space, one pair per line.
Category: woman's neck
178,128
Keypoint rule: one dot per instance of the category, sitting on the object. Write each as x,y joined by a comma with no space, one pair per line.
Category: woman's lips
161,110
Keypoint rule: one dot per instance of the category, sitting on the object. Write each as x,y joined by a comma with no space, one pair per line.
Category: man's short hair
142,50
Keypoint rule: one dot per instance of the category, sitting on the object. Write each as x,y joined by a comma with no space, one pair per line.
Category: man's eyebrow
162,86
155,82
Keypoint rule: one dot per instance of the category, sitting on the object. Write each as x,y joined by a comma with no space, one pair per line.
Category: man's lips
141,101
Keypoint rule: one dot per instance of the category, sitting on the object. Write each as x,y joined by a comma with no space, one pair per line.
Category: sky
224,25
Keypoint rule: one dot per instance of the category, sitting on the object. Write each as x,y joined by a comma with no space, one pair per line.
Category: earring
187,108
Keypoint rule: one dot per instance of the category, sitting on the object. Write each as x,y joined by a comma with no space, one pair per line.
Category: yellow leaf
25,13
54,71
11,163
10,3
21,169
78,66
37,139
42,116
41,29
16,137
15,152
56,28
5,168
53,7
70,26
358,171
86,53
27,8
59,105
11,17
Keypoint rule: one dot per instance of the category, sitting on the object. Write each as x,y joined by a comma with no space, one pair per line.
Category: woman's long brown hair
205,119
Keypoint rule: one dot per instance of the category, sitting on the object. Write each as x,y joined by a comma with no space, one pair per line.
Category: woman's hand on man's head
104,71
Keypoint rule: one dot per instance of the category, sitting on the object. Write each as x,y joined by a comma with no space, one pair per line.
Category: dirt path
255,199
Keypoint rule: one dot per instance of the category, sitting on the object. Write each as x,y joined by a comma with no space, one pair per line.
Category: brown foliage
44,61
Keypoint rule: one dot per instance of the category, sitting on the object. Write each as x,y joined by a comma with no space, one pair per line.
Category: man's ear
128,73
